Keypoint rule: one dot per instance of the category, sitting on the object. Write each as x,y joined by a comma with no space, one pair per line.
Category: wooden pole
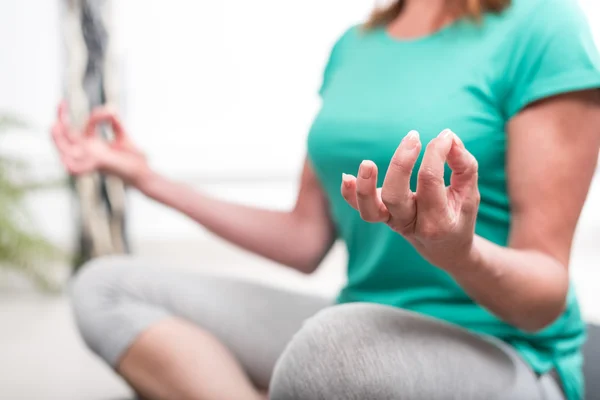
90,77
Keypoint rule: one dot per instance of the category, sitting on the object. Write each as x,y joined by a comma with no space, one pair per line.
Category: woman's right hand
88,152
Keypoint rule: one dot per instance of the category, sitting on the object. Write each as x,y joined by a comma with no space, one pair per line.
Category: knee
96,280
369,351
94,291
333,356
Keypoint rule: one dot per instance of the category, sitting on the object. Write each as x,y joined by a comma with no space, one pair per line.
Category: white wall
217,93
213,87
210,89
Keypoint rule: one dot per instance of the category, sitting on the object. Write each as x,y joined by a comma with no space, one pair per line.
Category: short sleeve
334,60
554,53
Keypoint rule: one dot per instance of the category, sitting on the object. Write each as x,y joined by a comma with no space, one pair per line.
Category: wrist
472,260
144,179
474,257
133,170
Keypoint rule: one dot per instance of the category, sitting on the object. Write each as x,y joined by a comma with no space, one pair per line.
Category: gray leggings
303,347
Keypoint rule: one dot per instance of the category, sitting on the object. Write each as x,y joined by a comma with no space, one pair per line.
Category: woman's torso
376,89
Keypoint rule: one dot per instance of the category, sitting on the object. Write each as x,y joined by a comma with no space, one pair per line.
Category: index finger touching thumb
105,114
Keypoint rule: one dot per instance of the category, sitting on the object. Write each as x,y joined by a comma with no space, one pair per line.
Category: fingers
63,125
101,115
396,204
370,206
431,189
349,190
68,143
61,134
59,138
464,176
464,167
395,193
70,153
98,116
63,113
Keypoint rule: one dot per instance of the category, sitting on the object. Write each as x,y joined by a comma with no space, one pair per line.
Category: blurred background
208,90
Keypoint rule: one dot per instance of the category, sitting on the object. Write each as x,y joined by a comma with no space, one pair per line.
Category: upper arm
553,109
312,206
311,211
552,153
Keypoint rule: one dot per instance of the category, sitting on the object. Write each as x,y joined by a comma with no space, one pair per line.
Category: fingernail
458,142
366,169
445,133
412,140
346,179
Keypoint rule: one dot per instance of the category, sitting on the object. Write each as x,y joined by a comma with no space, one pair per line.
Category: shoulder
348,36
548,49
533,29
343,42
347,42
539,17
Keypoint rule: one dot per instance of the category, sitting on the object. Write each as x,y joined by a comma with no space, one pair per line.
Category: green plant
22,249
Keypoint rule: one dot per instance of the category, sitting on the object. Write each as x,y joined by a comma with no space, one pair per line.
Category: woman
457,286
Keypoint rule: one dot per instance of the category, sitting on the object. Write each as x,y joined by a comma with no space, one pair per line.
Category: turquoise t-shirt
472,78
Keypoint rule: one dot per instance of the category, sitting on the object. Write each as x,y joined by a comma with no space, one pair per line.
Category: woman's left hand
438,221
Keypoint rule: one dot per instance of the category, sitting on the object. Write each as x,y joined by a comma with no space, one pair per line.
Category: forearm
527,289
280,236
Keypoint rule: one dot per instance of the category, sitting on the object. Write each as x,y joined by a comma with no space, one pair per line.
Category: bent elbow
307,267
541,321
534,327
313,253
311,260
549,307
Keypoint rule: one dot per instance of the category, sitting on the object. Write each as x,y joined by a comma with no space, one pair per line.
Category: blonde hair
471,8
